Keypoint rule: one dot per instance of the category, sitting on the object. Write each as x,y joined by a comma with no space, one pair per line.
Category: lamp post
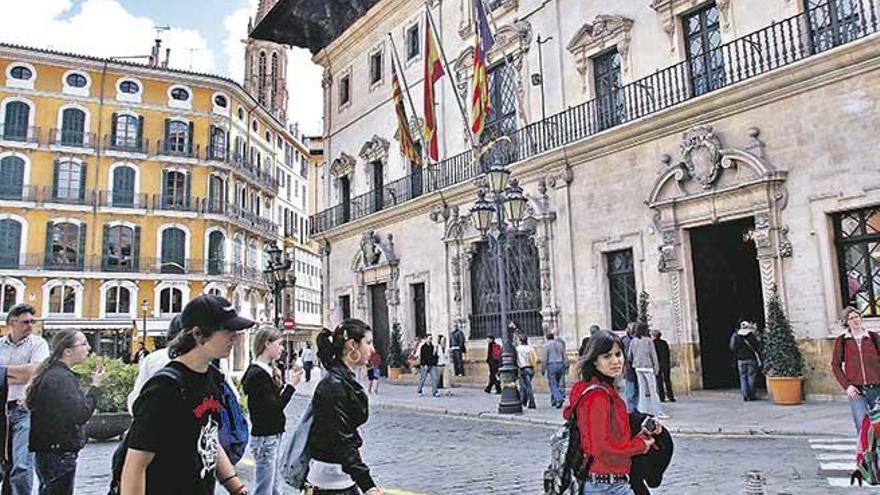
277,277
498,213
145,306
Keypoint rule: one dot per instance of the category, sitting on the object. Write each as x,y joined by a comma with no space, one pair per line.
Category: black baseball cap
210,311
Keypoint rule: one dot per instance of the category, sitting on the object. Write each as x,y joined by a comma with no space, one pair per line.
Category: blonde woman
266,402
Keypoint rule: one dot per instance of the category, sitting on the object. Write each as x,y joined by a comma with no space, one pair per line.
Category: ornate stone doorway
379,320
727,286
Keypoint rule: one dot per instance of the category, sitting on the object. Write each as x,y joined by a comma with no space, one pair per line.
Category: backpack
567,466
867,460
294,455
234,430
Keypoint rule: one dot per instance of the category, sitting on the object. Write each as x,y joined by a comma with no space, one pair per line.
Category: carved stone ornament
670,10
603,32
701,150
785,248
376,149
342,166
327,79
370,252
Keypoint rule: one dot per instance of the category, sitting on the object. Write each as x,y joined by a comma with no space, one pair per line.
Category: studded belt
607,479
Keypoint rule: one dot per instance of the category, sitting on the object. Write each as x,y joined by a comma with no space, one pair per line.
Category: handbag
295,454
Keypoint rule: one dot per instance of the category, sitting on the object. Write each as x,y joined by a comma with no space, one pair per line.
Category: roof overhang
311,24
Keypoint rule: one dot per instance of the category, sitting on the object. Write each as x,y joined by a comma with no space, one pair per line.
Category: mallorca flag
480,104
403,135
433,73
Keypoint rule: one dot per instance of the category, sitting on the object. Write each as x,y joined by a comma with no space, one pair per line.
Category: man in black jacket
664,382
428,369
457,344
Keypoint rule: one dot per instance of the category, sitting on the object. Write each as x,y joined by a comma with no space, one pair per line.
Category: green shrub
395,350
781,355
118,381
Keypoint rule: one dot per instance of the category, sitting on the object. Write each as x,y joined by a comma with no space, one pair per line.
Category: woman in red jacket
602,419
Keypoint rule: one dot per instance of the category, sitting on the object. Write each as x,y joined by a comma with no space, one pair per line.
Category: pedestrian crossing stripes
836,457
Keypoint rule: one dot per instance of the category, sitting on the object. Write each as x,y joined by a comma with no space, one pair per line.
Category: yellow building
126,190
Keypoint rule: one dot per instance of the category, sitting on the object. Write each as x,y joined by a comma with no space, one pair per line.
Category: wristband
224,480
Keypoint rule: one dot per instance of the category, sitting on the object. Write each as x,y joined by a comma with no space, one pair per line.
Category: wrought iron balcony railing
14,192
124,199
73,139
129,144
178,148
820,29
10,131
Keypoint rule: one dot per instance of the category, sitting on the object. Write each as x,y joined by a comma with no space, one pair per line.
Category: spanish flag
480,103
433,73
403,135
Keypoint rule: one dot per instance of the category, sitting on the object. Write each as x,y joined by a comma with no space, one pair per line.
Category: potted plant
395,354
111,417
782,361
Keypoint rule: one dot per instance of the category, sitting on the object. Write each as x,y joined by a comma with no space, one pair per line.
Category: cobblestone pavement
431,454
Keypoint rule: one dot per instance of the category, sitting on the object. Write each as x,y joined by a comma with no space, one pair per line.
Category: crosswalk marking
833,440
836,458
834,447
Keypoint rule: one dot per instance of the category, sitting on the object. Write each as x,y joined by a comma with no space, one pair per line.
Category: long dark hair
63,340
331,343
188,339
600,343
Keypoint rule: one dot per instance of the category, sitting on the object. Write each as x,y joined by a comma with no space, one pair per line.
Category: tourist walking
428,369
308,360
20,353
744,344
855,362
586,340
526,360
266,402
647,367
602,419
458,348
339,407
59,410
442,359
664,381
173,444
630,382
140,353
554,366
493,359
374,371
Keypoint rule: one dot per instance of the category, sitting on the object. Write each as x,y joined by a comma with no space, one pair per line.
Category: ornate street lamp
145,307
277,277
506,202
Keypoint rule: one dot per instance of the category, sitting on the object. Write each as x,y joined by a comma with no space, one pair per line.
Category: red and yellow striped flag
433,73
403,135
480,103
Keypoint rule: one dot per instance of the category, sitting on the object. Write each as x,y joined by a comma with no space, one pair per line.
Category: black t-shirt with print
179,423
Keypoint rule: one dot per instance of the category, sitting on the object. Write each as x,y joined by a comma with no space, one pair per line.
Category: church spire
265,69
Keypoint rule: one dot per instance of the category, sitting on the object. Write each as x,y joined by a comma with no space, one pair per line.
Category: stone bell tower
265,69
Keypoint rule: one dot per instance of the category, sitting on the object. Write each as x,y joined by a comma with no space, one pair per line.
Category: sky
204,36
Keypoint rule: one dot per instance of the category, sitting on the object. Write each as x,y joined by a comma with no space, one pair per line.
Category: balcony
72,139
13,192
70,196
778,45
125,144
123,199
217,153
20,133
177,148
264,178
251,220
178,203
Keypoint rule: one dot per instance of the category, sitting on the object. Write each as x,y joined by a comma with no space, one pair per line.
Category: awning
311,24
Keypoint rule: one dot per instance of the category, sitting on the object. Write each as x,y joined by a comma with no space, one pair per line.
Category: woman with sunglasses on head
603,423
59,410
339,406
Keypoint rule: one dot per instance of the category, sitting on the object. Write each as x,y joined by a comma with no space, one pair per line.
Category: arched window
62,299
76,80
216,194
129,87
11,178
73,127
16,120
69,181
8,296
179,94
177,136
175,185
65,243
261,79
215,291
126,132
173,250
117,301
274,79
120,253
21,72
170,300
237,251
216,252
123,186
252,255
10,243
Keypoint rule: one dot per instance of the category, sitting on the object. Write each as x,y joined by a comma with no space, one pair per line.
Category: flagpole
461,106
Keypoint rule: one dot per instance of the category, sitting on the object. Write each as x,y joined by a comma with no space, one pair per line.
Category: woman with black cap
340,406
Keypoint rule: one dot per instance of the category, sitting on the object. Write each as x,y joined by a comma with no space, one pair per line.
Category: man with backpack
174,441
855,363
493,359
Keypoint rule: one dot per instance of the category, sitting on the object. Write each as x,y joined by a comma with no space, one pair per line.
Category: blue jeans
267,479
649,401
748,372
631,394
555,376
526,395
21,474
56,472
590,488
867,398
428,372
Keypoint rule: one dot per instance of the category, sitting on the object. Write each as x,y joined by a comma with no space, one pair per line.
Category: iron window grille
622,288
703,42
857,239
607,80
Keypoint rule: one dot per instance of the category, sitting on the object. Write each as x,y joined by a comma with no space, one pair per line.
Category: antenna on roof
154,56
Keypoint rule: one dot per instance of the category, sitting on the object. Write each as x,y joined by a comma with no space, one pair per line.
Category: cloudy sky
205,36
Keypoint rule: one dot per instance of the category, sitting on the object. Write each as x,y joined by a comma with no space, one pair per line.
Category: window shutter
81,253
187,189
48,257
105,248
56,169
211,142
226,144
82,181
136,249
190,138
167,133
163,191
140,134
113,128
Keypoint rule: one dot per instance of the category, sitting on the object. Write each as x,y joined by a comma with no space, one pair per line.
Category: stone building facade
702,152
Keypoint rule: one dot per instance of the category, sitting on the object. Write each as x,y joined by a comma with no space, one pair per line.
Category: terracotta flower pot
786,391
394,373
